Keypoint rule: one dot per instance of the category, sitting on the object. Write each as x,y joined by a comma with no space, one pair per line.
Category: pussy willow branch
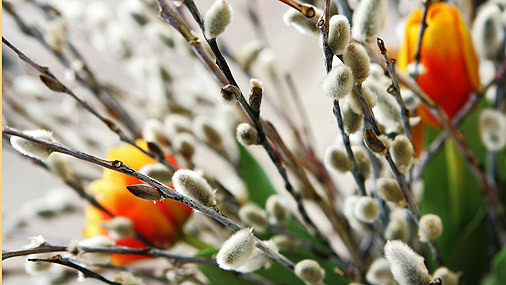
423,26
58,259
306,10
89,82
495,207
44,71
394,89
150,252
170,15
163,189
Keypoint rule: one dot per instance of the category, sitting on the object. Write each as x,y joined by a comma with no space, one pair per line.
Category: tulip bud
447,277
368,19
236,250
390,191
397,229
430,227
254,216
184,143
488,32
339,34
379,272
338,82
158,172
337,159
402,152
246,135
355,56
363,162
230,94
309,271
493,129
406,265
217,18
33,149
352,121
375,144
296,19
190,184
366,209
277,211
96,257
119,227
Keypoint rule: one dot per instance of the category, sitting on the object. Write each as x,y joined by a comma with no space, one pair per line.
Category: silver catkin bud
338,82
406,265
254,216
397,228
236,250
368,19
379,272
339,34
430,227
402,152
337,159
190,184
390,191
277,210
207,131
355,103
184,143
255,94
492,126
247,135
352,121
230,94
33,149
488,32
363,162
374,143
355,56
309,271
158,172
448,277
366,209
217,18
284,242
96,257
296,19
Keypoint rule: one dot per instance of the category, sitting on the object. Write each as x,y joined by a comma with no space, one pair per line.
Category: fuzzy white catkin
338,82
236,250
284,242
152,131
389,190
207,131
230,94
397,228
448,277
127,278
379,273
355,103
175,124
217,18
348,211
33,149
54,33
352,120
184,143
337,159
158,172
246,135
296,19
254,216
363,162
309,271
366,209
488,32
339,34
258,259
355,56
368,19
406,265
402,152
192,185
430,227
97,241
277,211
492,126
386,109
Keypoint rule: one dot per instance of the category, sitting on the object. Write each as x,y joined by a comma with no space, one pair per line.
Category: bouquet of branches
208,142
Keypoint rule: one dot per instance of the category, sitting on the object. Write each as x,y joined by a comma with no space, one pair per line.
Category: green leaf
498,274
258,185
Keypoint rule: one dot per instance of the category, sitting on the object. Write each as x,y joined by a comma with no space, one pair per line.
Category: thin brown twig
164,190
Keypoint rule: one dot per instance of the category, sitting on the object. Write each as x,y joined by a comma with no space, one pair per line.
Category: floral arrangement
196,161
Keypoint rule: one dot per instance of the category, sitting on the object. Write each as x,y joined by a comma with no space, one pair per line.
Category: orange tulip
447,55
159,222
